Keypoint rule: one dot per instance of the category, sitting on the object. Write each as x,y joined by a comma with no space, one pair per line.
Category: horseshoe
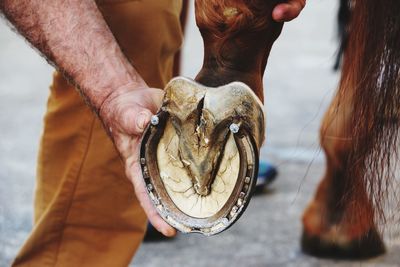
199,155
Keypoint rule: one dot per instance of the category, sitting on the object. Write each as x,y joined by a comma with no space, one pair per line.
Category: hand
125,114
288,11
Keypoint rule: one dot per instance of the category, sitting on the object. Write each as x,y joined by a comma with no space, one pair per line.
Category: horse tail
371,71
343,20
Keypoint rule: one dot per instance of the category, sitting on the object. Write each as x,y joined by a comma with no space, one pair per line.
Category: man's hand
288,10
125,114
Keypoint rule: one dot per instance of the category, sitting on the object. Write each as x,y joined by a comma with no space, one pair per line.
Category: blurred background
299,83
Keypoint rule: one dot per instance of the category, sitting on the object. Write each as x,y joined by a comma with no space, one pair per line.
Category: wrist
108,108
113,85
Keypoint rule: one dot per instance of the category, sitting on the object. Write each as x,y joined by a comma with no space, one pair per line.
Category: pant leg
86,213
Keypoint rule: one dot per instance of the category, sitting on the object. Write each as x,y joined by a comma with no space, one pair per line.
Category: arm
74,37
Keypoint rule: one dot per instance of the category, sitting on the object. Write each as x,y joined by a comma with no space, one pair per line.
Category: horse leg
332,227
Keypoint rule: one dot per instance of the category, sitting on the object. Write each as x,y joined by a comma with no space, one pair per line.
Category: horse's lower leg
334,227
238,36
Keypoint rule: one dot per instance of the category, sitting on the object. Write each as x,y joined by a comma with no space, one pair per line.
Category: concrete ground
299,83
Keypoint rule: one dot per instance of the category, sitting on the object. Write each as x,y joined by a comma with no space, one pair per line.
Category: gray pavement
299,84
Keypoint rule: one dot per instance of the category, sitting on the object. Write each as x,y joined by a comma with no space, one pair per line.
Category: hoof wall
368,246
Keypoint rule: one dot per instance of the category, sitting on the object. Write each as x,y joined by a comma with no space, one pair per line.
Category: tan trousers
86,213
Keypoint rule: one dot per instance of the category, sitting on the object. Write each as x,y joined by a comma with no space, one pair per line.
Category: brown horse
359,131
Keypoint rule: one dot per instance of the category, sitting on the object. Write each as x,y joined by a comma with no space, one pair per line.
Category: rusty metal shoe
199,155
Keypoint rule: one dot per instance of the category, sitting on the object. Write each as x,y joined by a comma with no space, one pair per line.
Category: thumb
141,120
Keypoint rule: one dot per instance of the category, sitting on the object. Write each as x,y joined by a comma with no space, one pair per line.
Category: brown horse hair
371,73
228,16
223,20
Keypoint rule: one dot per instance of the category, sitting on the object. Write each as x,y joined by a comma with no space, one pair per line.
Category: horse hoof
199,155
368,246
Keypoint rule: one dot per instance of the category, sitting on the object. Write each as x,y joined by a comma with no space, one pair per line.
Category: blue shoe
266,175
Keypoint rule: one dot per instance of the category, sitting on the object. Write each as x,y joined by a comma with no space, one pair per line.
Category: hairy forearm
75,38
